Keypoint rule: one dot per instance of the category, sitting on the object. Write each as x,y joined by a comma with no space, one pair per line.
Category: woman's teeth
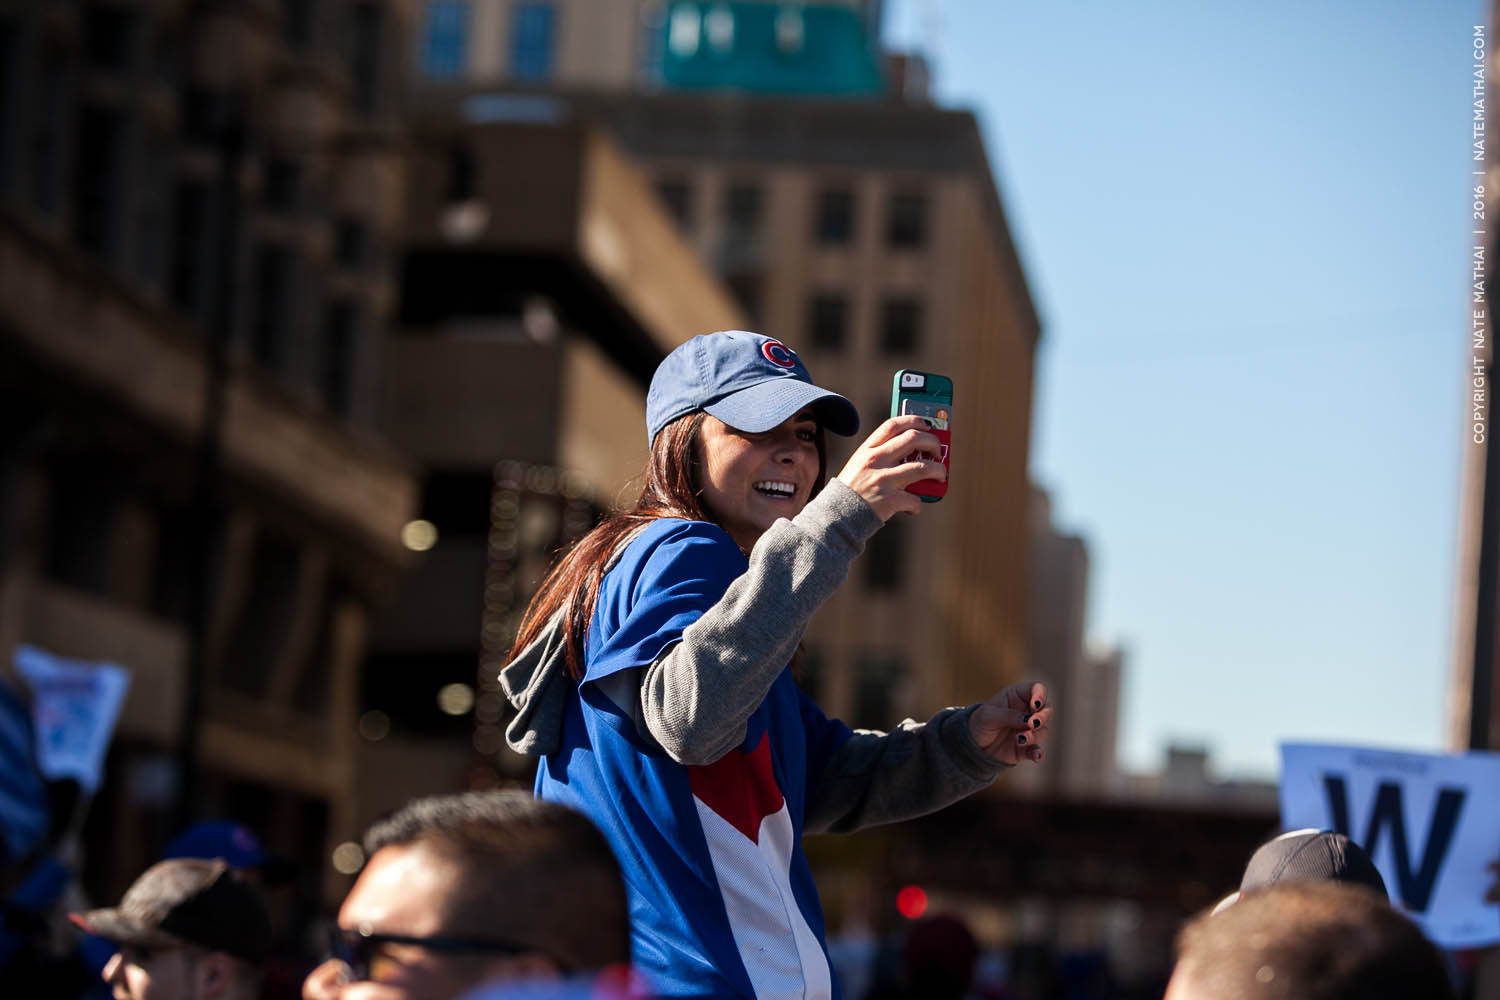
776,488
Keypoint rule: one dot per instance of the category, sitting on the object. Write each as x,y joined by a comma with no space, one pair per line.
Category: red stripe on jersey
740,787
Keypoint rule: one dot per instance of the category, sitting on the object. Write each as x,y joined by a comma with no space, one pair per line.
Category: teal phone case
937,390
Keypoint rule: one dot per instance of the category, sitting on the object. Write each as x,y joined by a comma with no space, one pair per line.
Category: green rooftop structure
769,48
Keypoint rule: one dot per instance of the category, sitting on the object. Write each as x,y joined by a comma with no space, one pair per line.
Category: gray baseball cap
1311,856
187,901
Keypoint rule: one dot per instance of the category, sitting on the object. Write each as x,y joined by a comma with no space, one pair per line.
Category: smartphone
930,397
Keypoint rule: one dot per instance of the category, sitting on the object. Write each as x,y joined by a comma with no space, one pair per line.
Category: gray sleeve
884,777
697,696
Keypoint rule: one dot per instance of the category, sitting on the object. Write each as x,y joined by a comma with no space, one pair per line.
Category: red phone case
932,487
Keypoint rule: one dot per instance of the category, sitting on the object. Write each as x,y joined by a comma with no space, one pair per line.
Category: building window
83,512
109,38
746,289
190,250
827,318
835,219
900,326
97,190
283,186
812,670
885,557
336,365
265,619
684,30
875,675
532,41
364,57
314,678
445,38
742,209
677,196
463,171
165,57
297,23
742,212
906,223
350,243
46,139
270,330
151,210
10,84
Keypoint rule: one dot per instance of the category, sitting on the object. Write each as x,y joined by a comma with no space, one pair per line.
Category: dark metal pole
219,330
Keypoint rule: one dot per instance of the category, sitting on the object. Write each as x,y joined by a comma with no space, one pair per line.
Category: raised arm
697,696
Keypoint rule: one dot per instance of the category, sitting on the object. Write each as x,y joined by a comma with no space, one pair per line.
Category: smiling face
749,480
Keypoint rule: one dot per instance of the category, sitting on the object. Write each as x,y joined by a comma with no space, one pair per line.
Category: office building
196,220
541,285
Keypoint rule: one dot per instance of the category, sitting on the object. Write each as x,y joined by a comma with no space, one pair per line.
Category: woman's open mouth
776,489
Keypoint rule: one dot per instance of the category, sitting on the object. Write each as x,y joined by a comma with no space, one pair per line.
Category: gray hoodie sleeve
884,777
697,696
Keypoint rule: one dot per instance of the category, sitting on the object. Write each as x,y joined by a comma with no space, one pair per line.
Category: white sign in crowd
75,705
1430,822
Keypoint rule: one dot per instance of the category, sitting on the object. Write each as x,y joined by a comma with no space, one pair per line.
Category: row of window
876,675
827,323
444,39
132,211
833,218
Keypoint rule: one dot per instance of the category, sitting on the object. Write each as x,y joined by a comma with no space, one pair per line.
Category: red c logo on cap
778,354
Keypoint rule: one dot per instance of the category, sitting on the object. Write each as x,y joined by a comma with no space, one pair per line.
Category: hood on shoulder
536,683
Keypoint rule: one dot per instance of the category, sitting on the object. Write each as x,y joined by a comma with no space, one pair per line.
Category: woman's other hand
1012,725
901,451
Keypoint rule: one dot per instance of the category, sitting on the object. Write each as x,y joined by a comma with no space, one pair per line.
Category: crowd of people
679,764
502,896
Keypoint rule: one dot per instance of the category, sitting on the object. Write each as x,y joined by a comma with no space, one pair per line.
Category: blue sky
1246,227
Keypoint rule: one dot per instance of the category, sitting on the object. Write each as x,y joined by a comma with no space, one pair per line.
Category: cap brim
112,925
771,403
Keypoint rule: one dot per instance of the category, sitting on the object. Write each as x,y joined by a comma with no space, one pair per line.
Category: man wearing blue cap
654,672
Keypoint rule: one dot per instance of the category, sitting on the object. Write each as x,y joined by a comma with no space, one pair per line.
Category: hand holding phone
930,397
899,452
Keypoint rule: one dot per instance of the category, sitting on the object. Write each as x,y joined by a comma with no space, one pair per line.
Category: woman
651,672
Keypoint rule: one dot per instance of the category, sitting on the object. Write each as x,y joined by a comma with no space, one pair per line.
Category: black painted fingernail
1036,723
1020,737
1037,704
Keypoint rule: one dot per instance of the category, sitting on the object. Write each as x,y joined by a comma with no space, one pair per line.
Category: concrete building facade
870,237
541,285
194,213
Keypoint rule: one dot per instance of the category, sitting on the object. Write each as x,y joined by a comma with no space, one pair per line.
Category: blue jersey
722,902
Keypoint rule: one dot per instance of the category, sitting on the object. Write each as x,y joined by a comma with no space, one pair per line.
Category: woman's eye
806,436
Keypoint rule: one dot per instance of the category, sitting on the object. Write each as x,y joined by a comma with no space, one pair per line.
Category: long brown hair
673,489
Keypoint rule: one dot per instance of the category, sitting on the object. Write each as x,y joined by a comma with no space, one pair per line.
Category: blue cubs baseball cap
235,842
750,381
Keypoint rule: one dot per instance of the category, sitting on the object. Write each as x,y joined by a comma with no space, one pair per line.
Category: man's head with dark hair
1309,941
476,887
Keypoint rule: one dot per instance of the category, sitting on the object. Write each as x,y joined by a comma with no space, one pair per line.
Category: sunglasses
362,950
